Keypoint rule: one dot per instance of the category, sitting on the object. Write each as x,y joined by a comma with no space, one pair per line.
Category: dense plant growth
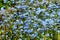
29,19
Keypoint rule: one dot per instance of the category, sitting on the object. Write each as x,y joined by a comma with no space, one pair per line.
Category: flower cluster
29,20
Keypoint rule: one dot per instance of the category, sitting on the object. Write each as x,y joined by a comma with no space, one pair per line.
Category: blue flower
21,30
25,31
5,1
35,25
21,22
58,21
32,36
30,30
51,15
58,31
14,32
28,21
46,14
47,34
58,13
36,34
5,20
2,8
49,21
38,11
14,27
44,23
31,1
12,1
42,30
26,26
23,7
18,6
22,16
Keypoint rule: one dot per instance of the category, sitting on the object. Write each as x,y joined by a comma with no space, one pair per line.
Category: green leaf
0,31
39,0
